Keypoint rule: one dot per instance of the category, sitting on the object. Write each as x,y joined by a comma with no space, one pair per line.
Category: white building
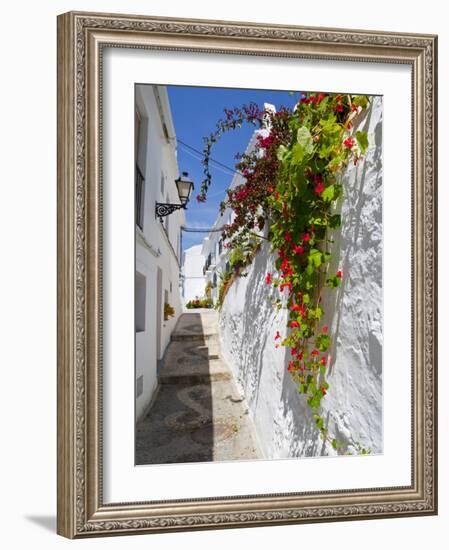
158,245
193,279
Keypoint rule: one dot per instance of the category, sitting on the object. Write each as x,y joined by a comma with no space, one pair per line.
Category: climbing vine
291,182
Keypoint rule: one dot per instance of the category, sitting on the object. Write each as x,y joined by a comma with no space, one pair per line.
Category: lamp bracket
165,209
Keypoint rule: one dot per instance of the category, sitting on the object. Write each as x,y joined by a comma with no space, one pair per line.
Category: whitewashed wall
353,405
157,245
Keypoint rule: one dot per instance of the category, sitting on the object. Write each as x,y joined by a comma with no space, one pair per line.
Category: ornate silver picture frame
82,40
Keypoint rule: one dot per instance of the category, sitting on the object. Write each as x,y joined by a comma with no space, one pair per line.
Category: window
139,179
141,294
140,197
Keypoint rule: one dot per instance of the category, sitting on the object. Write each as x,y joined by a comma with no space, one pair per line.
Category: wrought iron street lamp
185,186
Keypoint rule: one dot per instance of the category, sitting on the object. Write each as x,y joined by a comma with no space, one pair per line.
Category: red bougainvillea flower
325,329
314,352
277,336
319,188
268,278
287,236
295,307
339,108
339,274
349,142
306,237
285,285
291,366
323,361
354,107
294,324
323,390
270,189
201,198
277,195
298,249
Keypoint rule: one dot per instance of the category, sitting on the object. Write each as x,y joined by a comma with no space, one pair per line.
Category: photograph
258,274
248,337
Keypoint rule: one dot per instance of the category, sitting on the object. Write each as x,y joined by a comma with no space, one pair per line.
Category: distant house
158,245
193,279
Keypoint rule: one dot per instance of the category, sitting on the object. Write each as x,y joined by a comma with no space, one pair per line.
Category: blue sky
195,111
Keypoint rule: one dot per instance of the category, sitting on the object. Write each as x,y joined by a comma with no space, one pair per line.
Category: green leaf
305,140
329,193
335,221
333,281
361,101
334,444
323,342
315,257
281,152
319,422
362,140
297,153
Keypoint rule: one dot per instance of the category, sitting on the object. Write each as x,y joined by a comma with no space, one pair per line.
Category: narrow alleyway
198,413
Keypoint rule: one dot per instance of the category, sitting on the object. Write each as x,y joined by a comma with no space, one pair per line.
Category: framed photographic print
246,274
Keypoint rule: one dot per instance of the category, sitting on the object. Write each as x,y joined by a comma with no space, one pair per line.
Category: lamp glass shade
185,187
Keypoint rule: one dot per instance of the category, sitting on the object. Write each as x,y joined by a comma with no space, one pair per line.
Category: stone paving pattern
198,413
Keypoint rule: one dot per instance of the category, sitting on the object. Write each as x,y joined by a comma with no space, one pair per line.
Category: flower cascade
292,180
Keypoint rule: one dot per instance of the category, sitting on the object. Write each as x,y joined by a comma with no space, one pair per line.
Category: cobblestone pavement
198,413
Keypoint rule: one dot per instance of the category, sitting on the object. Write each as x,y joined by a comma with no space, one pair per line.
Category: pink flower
278,335
319,188
349,142
201,198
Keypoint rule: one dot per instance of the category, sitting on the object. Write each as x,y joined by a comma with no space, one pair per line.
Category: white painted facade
193,279
158,245
354,313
